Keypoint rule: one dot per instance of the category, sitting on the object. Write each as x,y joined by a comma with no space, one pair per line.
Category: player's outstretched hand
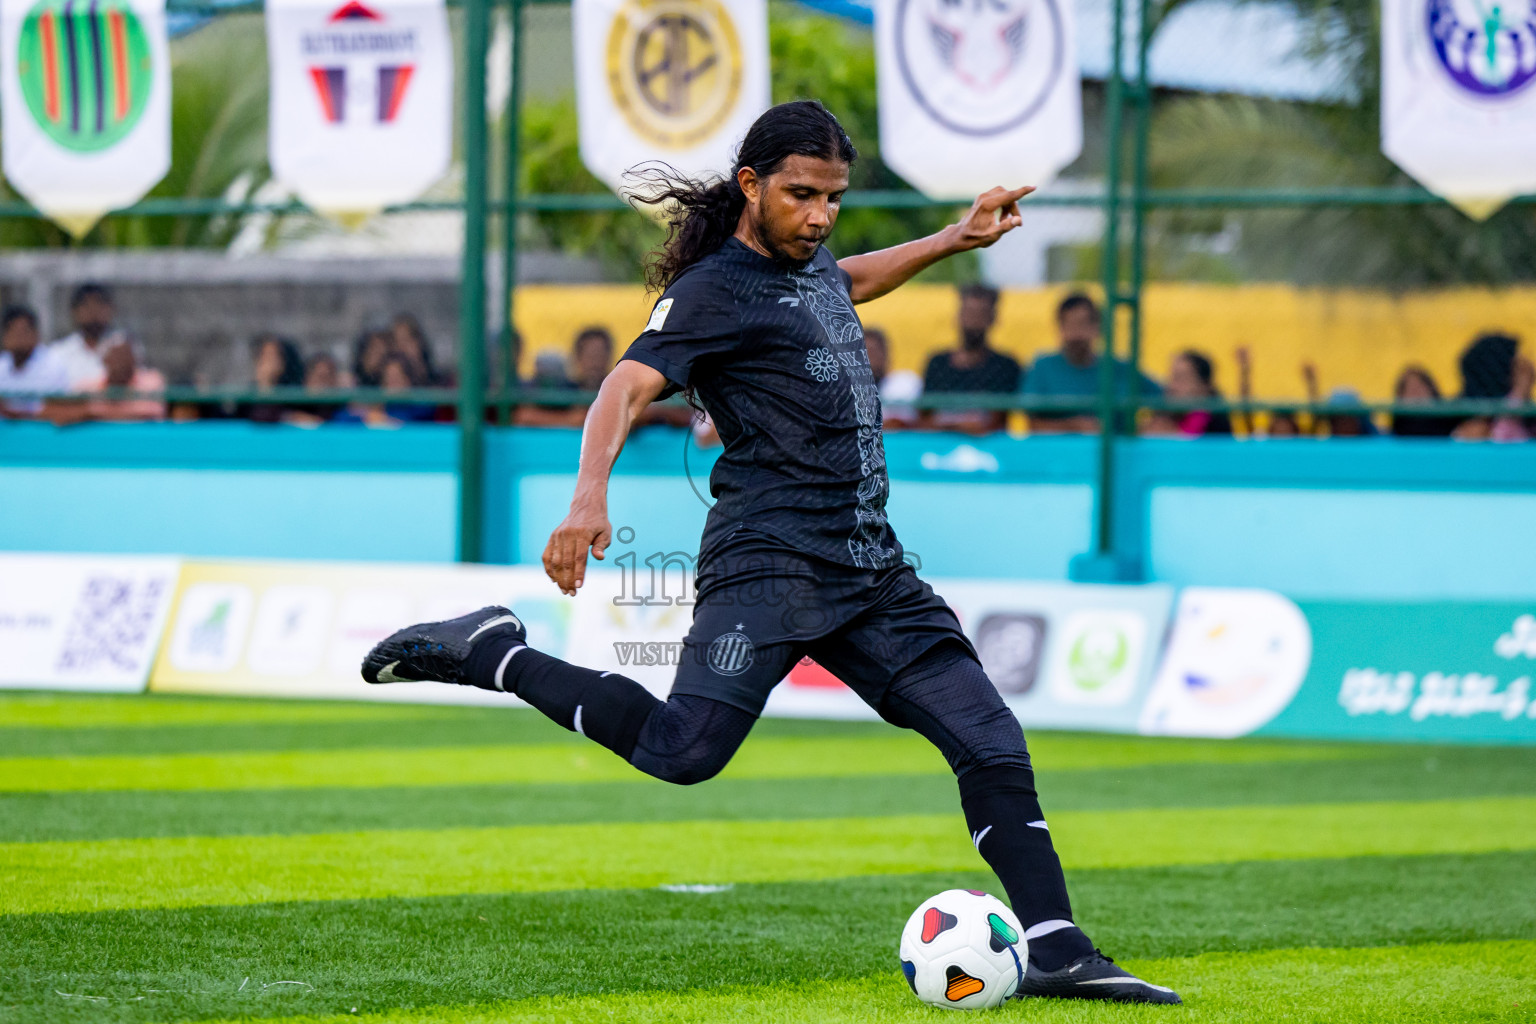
994,213
565,556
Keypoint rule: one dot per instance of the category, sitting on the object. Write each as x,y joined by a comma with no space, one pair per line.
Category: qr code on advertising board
111,624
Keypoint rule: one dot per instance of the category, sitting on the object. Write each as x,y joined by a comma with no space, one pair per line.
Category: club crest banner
361,100
678,81
974,94
1458,97
86,104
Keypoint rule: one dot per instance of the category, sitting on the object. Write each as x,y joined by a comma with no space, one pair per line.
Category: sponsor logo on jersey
85,71
659,315
1487,50
674,68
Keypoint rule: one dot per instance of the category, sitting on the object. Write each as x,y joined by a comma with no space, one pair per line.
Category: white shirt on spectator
899,392
81,362
43,374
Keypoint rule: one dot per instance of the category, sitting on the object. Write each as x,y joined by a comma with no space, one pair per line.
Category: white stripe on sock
1038,824
1035,931
577,724
502,668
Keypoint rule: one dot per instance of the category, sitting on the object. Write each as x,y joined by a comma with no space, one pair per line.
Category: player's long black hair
701,215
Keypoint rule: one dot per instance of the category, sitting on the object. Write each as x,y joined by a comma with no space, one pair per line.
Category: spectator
409,339
29,369
1416,386
974,367
1073,372
92,311
591,359
368,354
899,389
276,365
1190,379
1349,424
123,371
320,375
400,375
1492,368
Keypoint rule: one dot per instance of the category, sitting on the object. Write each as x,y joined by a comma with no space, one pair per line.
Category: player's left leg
908,658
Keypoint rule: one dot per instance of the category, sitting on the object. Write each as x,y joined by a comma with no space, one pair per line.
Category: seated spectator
400,375
27,368
123,371
409,340
1416,386
92,311
1349,424
1073,372
591,359
368,354
899,389
1492,368
974,367
1190,379
320,375
276,364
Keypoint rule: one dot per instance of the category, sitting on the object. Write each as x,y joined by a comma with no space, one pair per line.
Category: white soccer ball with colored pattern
963,950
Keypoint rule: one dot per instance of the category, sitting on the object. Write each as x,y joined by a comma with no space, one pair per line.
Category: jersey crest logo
731,654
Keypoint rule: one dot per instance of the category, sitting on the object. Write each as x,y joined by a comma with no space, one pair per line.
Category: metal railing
1125,195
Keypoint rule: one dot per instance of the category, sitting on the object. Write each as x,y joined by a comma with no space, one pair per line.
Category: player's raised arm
993,214
624,395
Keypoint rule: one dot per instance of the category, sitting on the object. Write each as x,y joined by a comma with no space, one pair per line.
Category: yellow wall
1357,339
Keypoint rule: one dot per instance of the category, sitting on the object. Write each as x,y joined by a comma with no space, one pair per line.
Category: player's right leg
685,739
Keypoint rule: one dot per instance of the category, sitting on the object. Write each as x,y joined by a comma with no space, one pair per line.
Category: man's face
93,316
874,345
20,338
1079,328
977,314
796,206
592,357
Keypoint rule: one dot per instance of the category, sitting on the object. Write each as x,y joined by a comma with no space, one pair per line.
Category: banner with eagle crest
361,100
85,103
977,93
1458,97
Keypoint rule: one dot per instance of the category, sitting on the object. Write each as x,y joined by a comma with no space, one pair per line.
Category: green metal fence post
1143,129
509,215
472,289
1099,564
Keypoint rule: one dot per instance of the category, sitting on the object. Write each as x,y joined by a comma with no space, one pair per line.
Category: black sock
1007,825
604,707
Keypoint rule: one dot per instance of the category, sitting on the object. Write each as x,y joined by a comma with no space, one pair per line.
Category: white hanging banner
85,97
1458,97
361,100
678,81
976,94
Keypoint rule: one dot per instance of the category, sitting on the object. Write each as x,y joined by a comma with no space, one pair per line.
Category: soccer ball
963,950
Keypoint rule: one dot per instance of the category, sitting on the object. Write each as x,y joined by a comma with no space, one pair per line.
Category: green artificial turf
170,859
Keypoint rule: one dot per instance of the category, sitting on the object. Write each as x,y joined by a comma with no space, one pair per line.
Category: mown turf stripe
188,962
895,753
1482,981
96,711
1445,774
36,877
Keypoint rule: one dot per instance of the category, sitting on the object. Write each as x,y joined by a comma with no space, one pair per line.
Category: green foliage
1235,142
